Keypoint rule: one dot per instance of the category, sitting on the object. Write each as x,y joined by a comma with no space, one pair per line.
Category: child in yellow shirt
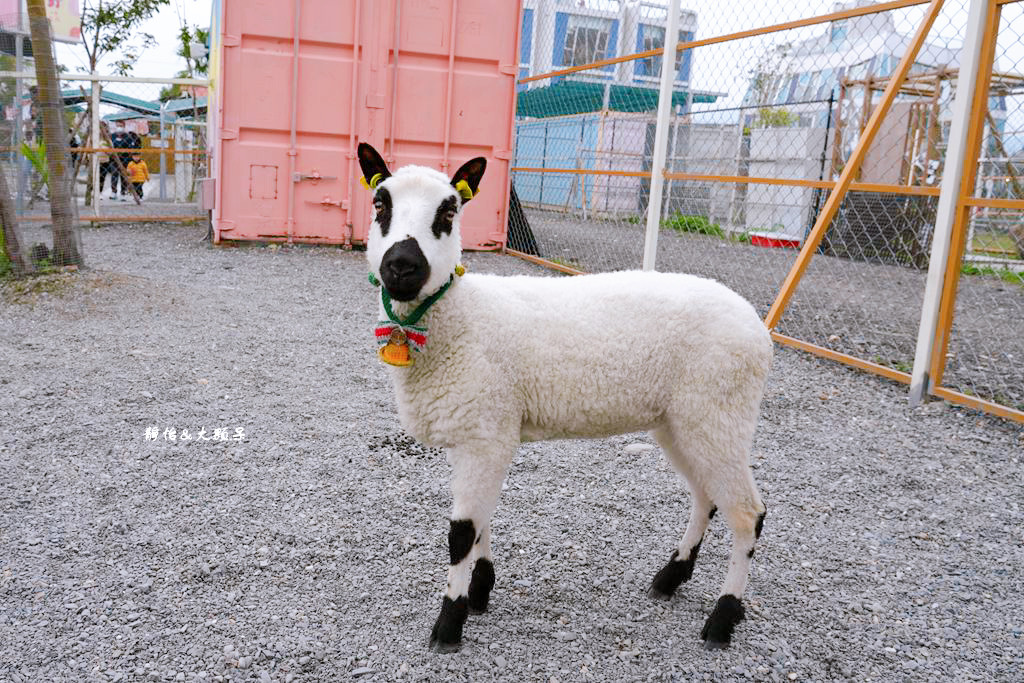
138,173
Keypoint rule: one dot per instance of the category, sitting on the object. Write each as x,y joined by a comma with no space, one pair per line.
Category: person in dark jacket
121,142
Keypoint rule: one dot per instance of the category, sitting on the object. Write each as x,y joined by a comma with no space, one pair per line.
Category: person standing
138,173
120,142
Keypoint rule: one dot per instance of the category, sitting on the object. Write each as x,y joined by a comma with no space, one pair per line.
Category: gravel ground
868,310
314,549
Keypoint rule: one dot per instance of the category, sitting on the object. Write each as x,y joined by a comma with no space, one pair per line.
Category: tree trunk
55,133
11,236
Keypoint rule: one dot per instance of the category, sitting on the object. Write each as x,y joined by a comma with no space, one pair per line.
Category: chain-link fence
768,110
140,158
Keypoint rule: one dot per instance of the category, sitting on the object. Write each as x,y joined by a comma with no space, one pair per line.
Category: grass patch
681,222
567,262
1004,274
28,290
994,243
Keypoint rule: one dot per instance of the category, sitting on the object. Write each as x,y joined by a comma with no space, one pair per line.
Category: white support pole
95,143
948,198
668,77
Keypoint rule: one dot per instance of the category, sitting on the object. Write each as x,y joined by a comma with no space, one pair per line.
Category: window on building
653,38
838,33
586,40
827,83
526,39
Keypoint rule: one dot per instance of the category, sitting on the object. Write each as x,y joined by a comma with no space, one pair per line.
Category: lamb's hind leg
718,473
476,485
743,510
679,568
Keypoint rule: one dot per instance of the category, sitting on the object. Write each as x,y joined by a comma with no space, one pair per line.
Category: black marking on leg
750,553
717,631
446,635
760,524
480,585
668,579
460,539
711,514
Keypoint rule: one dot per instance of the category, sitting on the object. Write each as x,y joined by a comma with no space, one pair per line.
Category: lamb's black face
404,270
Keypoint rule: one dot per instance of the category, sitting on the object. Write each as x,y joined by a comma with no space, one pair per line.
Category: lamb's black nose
404,270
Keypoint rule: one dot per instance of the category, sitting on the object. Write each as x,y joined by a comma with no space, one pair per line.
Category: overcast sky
159,60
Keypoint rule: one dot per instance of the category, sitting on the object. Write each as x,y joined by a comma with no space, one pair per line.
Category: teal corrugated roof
567,97
78,96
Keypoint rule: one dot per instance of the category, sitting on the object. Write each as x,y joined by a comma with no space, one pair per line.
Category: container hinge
509,69
228,134
230,41
225,226
327,202
313,175
504,154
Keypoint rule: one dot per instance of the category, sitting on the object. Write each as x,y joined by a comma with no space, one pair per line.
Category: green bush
688,223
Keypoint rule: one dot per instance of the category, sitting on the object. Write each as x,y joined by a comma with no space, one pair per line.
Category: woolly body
530,358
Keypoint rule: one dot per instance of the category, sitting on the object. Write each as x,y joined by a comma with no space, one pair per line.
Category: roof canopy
180,107
566,97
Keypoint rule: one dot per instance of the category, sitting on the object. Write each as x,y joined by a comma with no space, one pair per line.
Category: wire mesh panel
585,135
143,162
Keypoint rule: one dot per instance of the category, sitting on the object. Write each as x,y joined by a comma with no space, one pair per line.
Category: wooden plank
843,358
568,270
981,404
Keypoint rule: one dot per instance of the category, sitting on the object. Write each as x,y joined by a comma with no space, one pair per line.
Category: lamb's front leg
476,484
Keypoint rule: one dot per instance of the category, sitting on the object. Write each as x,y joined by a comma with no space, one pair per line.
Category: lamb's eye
449,215
378,205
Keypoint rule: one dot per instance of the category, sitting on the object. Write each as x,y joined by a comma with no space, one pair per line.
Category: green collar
420,311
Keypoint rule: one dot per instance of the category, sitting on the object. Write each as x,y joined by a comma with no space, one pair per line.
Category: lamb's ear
469,175
372,165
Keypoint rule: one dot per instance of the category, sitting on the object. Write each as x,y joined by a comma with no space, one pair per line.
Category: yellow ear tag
463,188
372,185
460,270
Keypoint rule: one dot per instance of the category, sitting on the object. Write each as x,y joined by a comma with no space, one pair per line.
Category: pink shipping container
297,85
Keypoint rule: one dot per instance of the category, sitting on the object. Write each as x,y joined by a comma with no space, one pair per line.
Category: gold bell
395,354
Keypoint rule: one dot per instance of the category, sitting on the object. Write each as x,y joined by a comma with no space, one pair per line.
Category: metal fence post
668,77
95,144
948,199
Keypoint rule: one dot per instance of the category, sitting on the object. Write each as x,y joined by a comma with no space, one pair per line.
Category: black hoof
480,585
717,631
446,636
669,578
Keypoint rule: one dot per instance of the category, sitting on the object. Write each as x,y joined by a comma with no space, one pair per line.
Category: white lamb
486,362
